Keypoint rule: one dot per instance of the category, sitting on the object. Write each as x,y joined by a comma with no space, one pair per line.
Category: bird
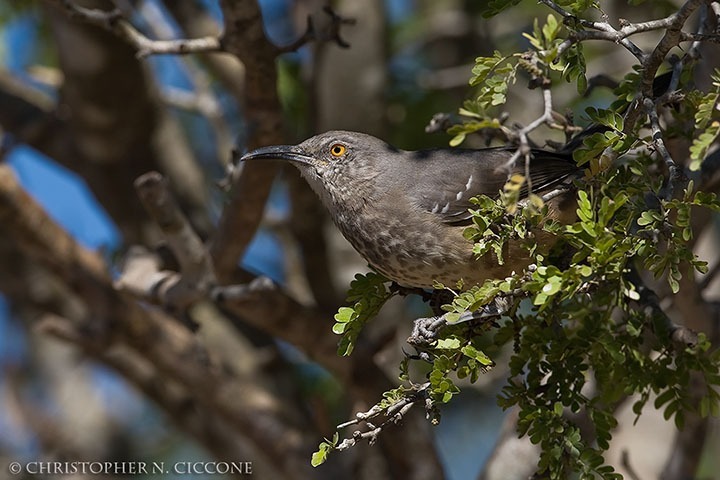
405,211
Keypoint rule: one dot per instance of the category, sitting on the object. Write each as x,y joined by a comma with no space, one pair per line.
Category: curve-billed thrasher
405,211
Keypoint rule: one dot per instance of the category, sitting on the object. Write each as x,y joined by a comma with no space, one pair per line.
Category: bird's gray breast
405,244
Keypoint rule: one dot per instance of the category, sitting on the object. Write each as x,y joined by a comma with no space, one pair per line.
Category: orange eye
338,150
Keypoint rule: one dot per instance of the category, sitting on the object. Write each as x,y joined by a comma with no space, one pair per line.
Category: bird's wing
458,175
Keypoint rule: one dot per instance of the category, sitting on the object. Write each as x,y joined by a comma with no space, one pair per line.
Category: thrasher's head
334,161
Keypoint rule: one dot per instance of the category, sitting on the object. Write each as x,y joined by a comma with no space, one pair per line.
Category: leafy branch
580,313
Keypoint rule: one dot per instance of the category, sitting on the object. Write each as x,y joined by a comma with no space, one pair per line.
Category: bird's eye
338,150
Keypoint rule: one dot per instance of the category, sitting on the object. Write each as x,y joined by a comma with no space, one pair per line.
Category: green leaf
551,29
369,293
609,118
493,75
553,286
649,217
707,124
462,130
702,143
452,317
475,354
494,7
320,457
448,343
575,67
584,211
664,398
457,139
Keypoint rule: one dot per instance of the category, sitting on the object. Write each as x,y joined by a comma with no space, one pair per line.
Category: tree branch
331,33
136,133
114,21
113,317
195,263
659,143
245,38
174,399
392,415
673,25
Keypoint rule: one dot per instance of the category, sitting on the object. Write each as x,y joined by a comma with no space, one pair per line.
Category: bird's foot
425,330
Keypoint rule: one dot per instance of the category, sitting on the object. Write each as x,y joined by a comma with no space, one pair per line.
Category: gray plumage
404,211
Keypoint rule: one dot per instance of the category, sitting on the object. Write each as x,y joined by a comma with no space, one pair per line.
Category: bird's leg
425,330
405,291
438,298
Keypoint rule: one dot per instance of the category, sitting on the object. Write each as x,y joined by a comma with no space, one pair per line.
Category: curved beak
290,153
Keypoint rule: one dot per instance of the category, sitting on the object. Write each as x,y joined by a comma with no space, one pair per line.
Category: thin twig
393,414
330,34
201,98
114,21
522,136
605,31
705,23
659,143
